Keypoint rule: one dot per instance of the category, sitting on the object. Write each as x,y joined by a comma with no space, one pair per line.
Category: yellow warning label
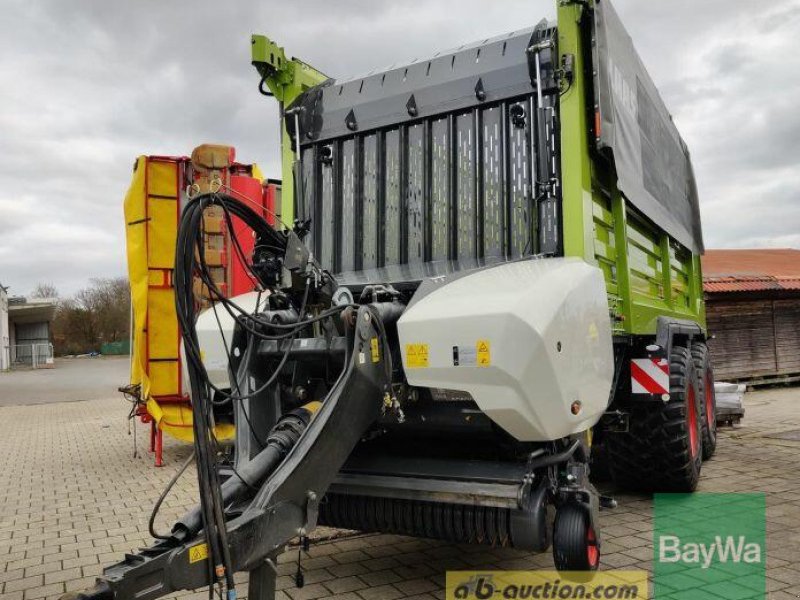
416,356
376,354
198,553
483,349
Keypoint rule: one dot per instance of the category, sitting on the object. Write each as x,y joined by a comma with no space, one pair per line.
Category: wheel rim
691,419
711,418
592,553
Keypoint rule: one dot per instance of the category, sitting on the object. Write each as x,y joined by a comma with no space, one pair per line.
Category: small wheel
575,546
708,398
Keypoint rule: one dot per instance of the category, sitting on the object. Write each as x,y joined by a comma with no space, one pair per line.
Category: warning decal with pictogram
483,350
416,356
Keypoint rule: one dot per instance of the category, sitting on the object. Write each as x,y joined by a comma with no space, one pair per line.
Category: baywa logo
670,550
708,545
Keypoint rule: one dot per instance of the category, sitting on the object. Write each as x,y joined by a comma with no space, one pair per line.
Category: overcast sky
88,85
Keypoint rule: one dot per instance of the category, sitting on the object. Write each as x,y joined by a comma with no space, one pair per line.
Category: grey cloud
90,84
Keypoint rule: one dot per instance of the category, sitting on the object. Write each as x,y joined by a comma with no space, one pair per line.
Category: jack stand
262,580
299,577
157,443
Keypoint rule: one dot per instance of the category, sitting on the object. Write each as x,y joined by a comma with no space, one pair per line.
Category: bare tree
97,314
108,301
44,290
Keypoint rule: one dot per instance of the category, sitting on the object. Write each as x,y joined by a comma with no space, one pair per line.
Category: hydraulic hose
189,250
281,439
151,525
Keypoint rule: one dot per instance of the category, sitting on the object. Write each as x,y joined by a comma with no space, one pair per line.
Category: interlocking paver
41,569
348,569
44,591
63,575
74,498
381,592
308,592
377,578
24,583
342,585
415,586
344,596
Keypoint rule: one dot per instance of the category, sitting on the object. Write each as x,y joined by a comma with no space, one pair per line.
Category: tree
73,329
44,290
109,303
97,314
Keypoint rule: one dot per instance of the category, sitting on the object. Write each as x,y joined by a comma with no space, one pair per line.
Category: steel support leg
262,580
159,445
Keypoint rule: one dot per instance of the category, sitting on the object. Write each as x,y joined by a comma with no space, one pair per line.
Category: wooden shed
753,311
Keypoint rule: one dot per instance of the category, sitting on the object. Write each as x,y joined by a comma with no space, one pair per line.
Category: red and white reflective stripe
649,376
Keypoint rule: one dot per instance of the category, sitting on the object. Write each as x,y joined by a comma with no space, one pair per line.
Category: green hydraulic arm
285,79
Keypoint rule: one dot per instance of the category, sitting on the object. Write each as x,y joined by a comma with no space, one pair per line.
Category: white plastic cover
525,339
215,343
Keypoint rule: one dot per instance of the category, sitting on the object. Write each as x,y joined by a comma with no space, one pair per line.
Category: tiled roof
777,262
751,270
716,285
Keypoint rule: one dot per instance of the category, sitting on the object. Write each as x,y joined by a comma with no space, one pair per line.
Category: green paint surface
647,273
709,546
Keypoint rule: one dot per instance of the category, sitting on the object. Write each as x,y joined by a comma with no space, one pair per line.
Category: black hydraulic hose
190,262
190,240
157,506
281,439
188,236
262,90
388,312
556,459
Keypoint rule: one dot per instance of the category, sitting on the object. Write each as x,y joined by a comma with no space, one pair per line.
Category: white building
29,322
5,334
25,338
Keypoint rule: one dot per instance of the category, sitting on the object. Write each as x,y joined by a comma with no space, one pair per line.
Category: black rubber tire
708,404
656,454
575,546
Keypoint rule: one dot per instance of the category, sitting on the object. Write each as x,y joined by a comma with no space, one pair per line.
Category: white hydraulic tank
530,341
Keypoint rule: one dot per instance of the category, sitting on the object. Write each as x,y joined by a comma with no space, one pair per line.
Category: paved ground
73,498
70,380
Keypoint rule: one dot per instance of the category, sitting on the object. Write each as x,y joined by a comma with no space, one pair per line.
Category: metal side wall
430,167
451,187
648,274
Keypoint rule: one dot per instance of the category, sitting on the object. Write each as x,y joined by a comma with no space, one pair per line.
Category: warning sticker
376,354
198,553
465,356
483,350
416,356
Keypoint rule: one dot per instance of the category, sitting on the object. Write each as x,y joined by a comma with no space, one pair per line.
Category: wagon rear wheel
662,449
708,398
